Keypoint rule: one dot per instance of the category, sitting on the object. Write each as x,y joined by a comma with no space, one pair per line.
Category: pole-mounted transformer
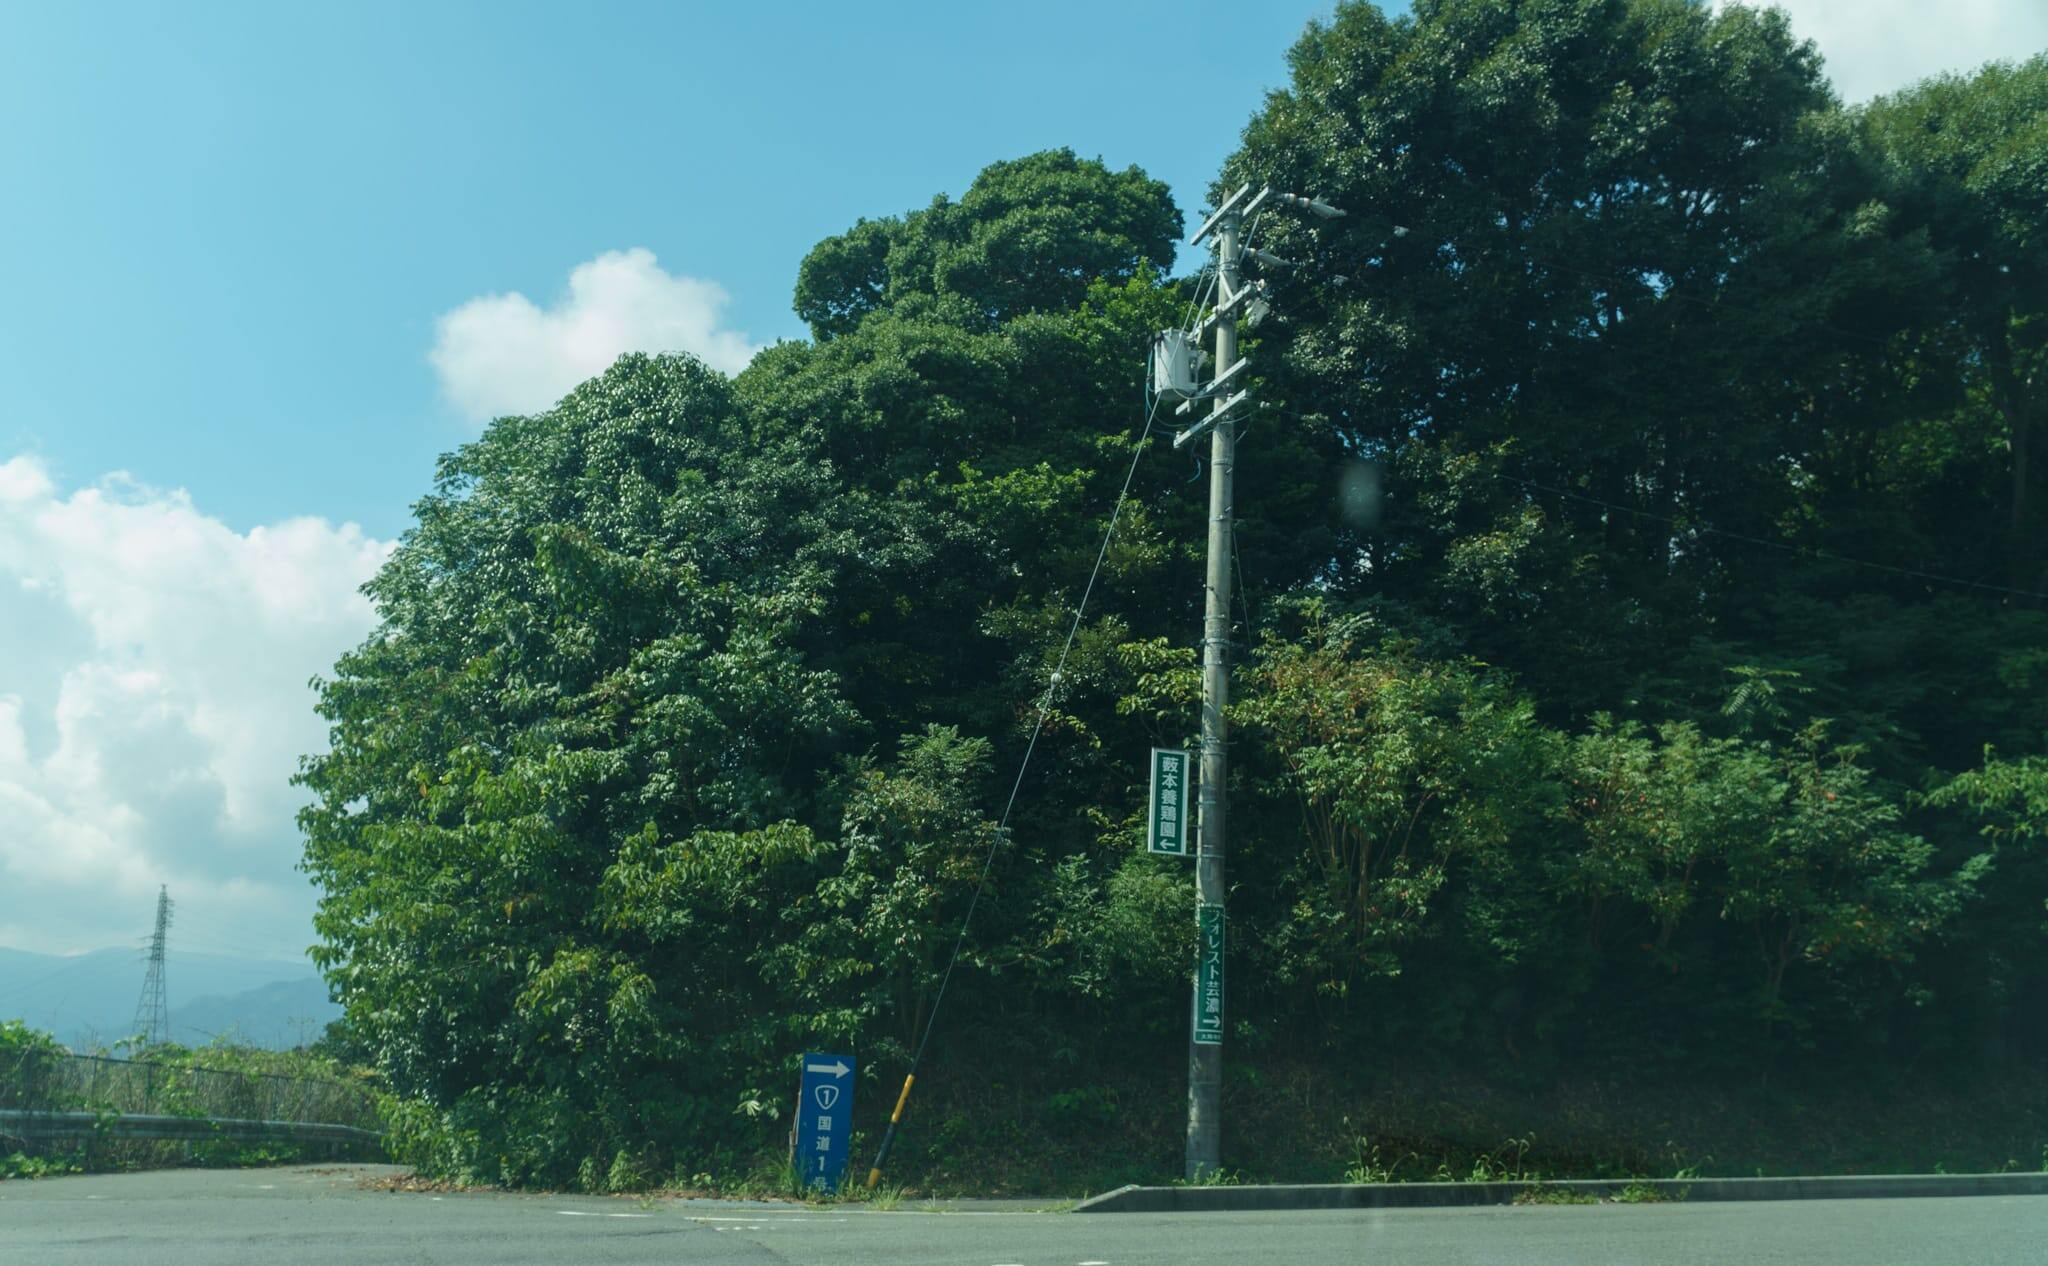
1176,366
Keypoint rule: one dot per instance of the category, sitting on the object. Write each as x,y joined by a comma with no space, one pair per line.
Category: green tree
1030,235
1423,789
915,841
579,662
575,835
1973,155
1639,243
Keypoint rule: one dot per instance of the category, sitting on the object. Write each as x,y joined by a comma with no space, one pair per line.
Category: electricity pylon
152,1013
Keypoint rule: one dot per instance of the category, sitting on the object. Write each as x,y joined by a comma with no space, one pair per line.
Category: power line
1003,824
83,961
1800,550
1609,282
1244,588
222,938
1804,551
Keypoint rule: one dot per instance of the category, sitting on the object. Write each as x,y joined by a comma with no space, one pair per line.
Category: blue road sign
824,1119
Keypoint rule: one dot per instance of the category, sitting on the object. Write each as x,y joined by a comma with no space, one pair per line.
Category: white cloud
153,706
501,354
1878,46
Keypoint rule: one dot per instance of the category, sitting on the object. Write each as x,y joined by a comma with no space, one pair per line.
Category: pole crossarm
1224,311
1222,213
1211,390
1225,411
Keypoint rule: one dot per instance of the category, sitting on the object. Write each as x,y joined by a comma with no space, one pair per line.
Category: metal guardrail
32,1126
56,1094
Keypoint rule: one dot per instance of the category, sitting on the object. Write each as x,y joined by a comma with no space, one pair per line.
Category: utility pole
1225,393
152,1015
1205,1057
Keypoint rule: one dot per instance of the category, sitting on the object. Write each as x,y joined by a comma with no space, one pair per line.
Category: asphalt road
322,1215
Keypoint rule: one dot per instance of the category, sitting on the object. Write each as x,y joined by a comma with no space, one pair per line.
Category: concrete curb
1419,1195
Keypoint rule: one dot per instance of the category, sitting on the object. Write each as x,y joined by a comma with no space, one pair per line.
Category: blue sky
233,226
260,263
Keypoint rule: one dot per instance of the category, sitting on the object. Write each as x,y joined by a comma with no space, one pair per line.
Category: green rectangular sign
1166,814
1209,975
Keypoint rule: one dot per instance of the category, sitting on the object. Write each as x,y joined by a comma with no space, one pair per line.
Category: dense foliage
1643,658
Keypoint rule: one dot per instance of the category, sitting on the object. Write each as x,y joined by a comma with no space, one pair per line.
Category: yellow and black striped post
889,1135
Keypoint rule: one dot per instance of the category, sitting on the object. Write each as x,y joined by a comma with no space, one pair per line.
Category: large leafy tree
1029,235
586,652
1972,155
1637,249
614,801
1655,349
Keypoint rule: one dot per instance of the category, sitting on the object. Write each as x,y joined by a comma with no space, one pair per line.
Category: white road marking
952,1213
575,1213
709,1217
1095,1263
629,1215
799,1215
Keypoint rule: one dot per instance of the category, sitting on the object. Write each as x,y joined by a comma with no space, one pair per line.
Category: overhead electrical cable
1805,551
1045,700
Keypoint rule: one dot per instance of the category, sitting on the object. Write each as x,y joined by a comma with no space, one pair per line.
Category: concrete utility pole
1205,1057
1225,392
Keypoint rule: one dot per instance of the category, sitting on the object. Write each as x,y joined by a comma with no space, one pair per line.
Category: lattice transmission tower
152,1014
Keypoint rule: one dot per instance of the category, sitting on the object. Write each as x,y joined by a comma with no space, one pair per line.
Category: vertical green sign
1166,815
1209,975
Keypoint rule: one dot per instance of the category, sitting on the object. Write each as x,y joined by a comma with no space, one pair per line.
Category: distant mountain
89,999
281,1014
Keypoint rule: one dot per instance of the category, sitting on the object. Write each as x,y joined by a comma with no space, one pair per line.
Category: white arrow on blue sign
824,1119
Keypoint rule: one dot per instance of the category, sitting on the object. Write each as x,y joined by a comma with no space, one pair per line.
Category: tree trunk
2015,403
2022,539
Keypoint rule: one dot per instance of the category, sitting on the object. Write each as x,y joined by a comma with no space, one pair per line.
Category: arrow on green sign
1166,813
